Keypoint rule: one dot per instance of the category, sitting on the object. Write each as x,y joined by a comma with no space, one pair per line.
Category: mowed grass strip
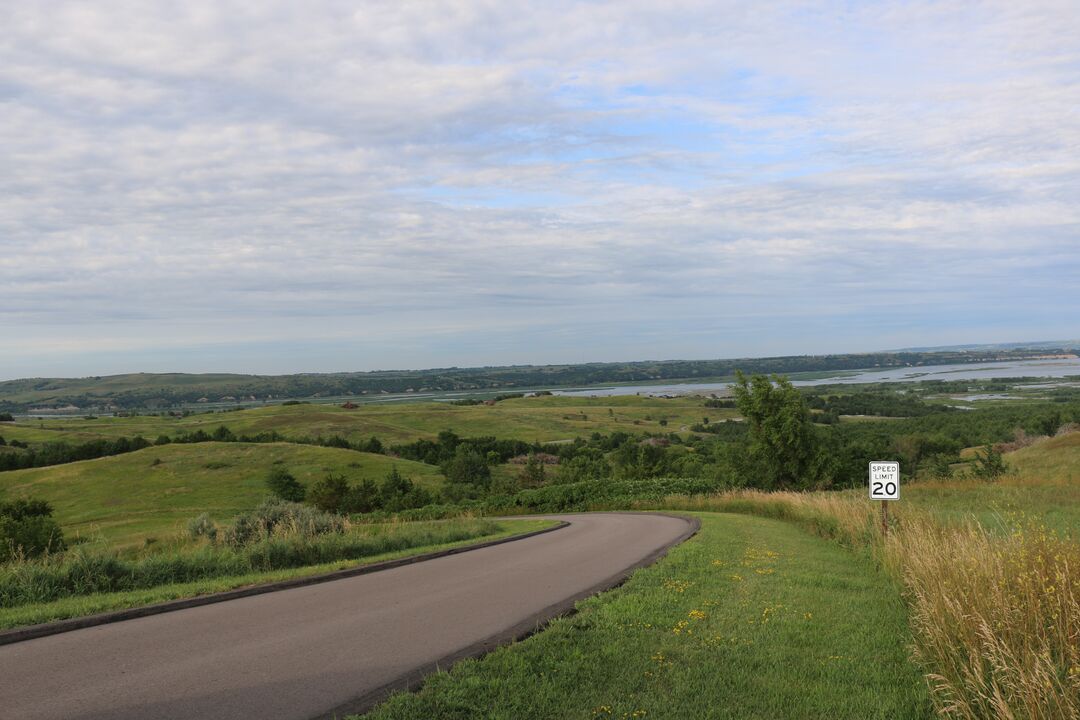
70,607
752,618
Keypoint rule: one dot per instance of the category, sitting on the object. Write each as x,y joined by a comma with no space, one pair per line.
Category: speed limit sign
884,480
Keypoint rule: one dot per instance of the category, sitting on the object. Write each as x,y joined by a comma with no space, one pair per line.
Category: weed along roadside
81,590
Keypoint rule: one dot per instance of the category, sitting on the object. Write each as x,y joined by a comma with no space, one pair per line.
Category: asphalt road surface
324,649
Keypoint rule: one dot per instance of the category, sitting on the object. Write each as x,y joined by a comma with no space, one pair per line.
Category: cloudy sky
281,186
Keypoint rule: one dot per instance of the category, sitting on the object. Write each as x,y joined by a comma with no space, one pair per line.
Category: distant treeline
879,404
163,391
58,453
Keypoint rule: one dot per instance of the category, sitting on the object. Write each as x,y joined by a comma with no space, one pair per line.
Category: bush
202,526
362,497
27,529
278,517
283,485
329,493
989,464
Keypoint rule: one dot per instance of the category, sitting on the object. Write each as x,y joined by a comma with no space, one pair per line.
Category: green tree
27,529
223,434
283,485
329,493
467,467
989,464
398,493
533,474
363,497
939,467
783,450
587,465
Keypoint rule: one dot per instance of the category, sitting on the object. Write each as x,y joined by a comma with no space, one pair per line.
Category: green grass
121,501
542,419
1043,485
808,630
80,606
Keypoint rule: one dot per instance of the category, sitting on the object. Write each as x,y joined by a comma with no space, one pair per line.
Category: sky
278,187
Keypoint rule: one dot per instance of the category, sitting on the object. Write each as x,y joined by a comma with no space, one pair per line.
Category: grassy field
750,619
1041,486
78,606
541,419
123,500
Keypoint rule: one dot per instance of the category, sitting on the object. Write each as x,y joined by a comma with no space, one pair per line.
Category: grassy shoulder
11,617
752,618
123,500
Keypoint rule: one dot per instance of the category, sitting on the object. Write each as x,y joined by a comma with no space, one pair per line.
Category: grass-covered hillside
125,499
1042,485
534,419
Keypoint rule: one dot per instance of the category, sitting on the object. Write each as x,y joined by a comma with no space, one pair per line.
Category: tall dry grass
995,617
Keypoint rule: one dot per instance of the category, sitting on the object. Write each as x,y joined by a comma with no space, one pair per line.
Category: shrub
202,526
329,493
279,517
83,572
283,485
989,464
362,497
27,529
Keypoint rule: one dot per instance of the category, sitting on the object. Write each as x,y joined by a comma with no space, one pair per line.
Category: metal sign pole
884,518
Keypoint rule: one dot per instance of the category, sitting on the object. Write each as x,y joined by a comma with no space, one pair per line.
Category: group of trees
56,453
879,403
334,493
446,445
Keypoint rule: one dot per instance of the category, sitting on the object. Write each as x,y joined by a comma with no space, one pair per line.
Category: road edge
530,626
31,632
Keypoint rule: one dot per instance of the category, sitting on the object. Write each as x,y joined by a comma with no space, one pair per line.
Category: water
1058,368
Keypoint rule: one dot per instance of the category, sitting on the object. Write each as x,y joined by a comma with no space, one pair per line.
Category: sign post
884,486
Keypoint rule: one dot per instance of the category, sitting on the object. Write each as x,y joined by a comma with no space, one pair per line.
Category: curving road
330,648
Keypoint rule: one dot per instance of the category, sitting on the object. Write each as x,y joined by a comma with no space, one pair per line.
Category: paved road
328,648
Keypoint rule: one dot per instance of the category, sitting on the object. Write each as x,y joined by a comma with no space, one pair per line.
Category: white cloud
233,173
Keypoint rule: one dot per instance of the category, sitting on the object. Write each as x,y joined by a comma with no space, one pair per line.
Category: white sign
884,480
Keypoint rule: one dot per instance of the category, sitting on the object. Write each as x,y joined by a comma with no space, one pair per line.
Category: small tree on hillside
27,529
398,493
362,497
329,493
533,474
989,464
283,485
